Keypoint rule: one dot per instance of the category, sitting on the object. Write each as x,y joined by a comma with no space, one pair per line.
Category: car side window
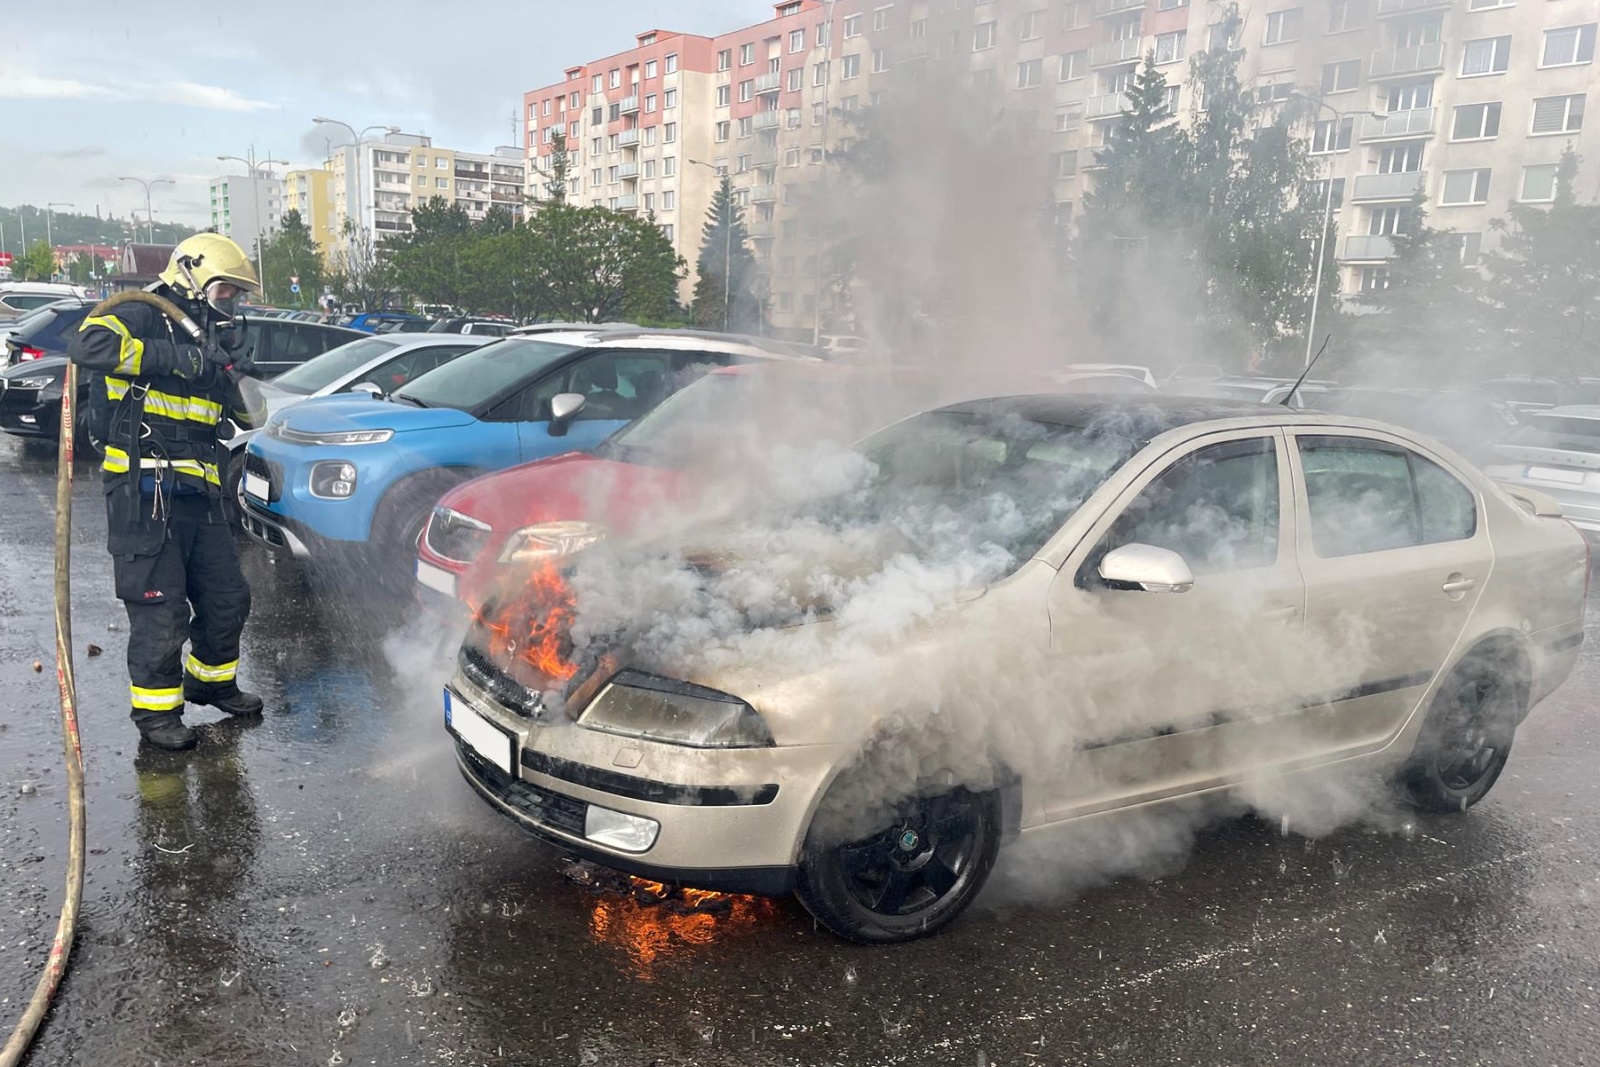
1370,496
616,386
396,372
1217,507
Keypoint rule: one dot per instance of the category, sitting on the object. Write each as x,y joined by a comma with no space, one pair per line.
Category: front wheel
911,877
1465,740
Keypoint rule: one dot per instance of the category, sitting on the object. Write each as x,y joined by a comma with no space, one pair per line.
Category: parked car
1252,389
1186,372
278,345
30,401
1121,370
403,321
482,327
1557,451
1525,392
44,331
365,474
16,298
554,506
1211,594
1471,421
373,365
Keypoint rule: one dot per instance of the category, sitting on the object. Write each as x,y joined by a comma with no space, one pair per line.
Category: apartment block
309,192
380,182
246,207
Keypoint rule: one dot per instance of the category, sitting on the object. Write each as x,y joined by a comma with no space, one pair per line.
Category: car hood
335,415
570,486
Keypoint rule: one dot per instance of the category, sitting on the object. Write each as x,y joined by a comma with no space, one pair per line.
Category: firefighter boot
166,730
237,702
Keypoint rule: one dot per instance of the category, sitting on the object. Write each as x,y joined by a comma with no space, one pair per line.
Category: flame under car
1148,600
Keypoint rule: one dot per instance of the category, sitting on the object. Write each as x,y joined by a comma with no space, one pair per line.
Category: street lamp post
255,197
827,83
49,230
1327,214
149,215
727,243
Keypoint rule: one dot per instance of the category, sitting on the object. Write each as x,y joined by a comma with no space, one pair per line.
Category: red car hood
572,486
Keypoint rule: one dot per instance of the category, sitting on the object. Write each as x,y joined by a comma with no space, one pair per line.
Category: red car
543,510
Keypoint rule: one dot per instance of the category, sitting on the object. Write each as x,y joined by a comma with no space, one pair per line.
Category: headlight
280,430
635,704
548,540
333,480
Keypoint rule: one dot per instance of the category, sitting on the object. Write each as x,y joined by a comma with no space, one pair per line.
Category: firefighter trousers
193,591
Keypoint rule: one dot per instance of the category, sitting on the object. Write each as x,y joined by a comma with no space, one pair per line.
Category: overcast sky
96,89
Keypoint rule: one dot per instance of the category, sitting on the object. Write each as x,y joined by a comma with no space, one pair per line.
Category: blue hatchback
340,472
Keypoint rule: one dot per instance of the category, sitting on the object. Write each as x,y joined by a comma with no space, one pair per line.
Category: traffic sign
294,279
294,287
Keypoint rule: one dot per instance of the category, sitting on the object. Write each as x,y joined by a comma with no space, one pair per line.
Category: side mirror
1146,567
564,407
371,389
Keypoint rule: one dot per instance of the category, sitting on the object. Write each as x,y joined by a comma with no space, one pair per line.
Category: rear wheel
1466,738
908,878
398,524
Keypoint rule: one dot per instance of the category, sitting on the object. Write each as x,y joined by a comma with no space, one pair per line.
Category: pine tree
726,294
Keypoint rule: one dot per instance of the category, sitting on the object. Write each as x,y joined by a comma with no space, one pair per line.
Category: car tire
1466,737
907,880
398,523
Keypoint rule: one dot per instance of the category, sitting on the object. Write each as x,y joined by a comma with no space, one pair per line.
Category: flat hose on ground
66,926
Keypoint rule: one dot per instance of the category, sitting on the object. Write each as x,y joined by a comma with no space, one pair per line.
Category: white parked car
19,298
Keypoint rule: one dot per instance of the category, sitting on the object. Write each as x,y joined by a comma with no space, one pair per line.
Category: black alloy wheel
1465,741
909,879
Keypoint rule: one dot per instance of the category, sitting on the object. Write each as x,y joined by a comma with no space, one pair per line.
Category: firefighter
157,404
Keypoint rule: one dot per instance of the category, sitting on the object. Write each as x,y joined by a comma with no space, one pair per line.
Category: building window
1465,187
797,79
615,112
649,201
919,29
1571,44
596,146
724,130
742,166
1374,279
1475,122
647,169
1269,93
852,66
649,68
1425,29
724,93
791,119
1490,55
1341,77
852,26
670,99
1030,72
814,155
1125,29
1283,26
422,160
1388,221
1074,65
611,175
572,131
1410,96
880,60
597,116
422,179
1333,135
819,74
983,36
667,231
649,103
1319,192
669,166
441,183
1032,25
725,59
1489,5
824,34
669,132
649,136
1076,15
1539,183
880,19
1223,36
616,77
1558,114
797,41
1069,117
1400,158
791,157
747,54
599,85
669,199
1171,5
1170,46
1169,99
671,63
441,163
1065,164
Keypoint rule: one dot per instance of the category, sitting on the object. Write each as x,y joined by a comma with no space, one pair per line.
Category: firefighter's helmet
201,261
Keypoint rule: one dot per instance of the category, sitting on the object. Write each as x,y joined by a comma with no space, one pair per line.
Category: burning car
1016,615
549,508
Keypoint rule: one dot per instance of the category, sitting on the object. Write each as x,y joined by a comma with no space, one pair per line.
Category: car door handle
1283,614
1457,584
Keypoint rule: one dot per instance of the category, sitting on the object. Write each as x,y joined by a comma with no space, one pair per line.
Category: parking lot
320,887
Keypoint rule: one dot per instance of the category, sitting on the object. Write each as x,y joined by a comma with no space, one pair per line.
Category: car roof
705,341
403,341
1081,409
1569,411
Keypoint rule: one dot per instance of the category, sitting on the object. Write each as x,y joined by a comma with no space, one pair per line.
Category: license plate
255,485
480,735
1555,474
436,578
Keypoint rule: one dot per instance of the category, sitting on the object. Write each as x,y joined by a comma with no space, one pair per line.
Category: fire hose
66,926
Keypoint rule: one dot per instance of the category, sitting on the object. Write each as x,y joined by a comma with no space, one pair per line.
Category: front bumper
280,535
30,412
731,820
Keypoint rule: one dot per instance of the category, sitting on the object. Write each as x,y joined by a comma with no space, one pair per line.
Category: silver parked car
1557,451
1141,600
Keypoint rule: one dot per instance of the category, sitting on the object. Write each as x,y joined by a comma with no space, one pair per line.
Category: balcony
1108,52
1418,59
770,82
628,202
763,194
1417,122
1112,7
628,137
628,170
1106,106
1390,8
761,227
765,120
629,104
502,197
1363,247
474,174
1402,186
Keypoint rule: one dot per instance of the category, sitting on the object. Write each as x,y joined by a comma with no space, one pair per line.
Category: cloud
86,152
211,97
26,85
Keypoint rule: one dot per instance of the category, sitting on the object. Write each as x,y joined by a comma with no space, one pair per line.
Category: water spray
66,926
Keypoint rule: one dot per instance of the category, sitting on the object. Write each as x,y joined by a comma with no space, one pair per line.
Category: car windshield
483,374
1570,433
956,483
332,365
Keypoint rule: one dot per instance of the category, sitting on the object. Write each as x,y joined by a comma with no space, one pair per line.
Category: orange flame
533,624
655,919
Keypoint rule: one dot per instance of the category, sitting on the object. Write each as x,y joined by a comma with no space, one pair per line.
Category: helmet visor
224,297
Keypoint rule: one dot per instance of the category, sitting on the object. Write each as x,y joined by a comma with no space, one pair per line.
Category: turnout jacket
155,403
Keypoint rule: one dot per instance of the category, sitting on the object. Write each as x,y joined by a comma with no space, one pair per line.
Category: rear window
331,365
1566,432
50,323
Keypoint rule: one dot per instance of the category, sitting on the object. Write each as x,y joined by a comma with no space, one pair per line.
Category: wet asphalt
319,887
